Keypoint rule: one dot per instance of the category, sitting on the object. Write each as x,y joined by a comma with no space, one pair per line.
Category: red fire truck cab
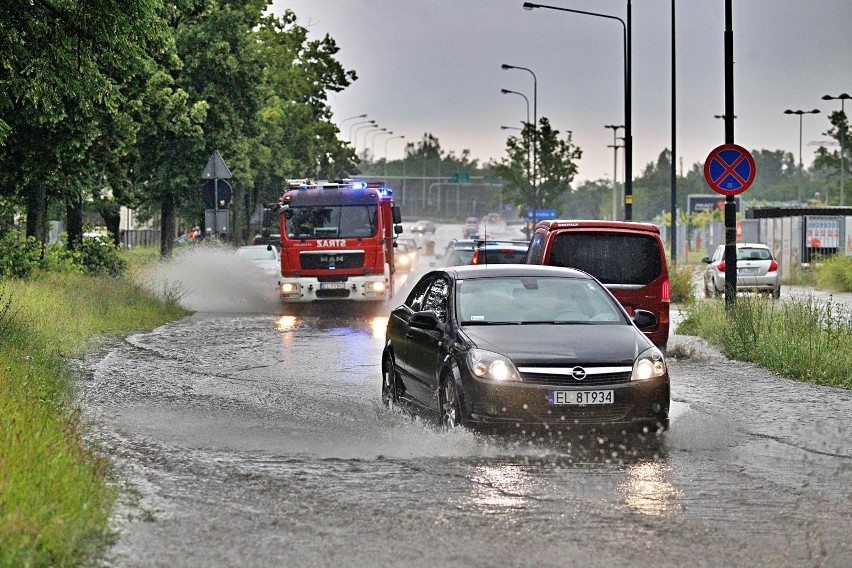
336,240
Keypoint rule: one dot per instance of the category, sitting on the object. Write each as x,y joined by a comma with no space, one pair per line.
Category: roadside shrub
59,259
98,256
835,273
20,255
681,277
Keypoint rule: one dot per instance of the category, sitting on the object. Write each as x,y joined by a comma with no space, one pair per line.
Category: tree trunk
37,212
167,226
74,214
111,214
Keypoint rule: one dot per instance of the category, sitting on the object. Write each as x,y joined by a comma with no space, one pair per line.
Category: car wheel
776,293
450,406
390,389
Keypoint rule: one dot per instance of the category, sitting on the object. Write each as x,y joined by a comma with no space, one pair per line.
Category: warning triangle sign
216,167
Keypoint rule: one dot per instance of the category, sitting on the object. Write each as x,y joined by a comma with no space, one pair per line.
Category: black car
510,346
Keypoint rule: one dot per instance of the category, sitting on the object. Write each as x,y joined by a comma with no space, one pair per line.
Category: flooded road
258,438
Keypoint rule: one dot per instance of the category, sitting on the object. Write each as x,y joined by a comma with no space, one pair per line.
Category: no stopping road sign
729,169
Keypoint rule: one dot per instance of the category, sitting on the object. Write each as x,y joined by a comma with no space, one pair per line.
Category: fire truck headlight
377,286
289,289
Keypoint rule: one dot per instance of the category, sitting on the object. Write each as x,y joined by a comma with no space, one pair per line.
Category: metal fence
140,237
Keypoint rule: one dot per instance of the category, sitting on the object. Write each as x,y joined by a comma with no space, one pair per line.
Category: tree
555,166
829,160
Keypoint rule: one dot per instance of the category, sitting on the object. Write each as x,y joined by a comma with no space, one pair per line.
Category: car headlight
491,366
649,365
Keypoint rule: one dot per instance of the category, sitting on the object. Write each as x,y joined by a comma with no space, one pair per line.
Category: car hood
567,344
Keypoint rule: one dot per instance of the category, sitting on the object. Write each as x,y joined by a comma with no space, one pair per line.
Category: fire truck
337,240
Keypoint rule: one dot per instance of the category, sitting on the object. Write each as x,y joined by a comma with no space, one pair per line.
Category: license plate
581,397
332,285
746,270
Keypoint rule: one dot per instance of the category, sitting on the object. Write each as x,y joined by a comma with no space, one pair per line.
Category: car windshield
530,299
502,256
335,221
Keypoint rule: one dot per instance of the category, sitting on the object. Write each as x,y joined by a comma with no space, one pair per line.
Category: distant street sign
541,214
217,220
216,167
461,178
697,203
224,194
729,169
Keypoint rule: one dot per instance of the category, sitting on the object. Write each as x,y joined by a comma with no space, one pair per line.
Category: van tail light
475,259
722,266
773,266
666,291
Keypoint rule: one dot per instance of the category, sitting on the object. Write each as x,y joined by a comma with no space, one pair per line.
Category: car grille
337,260
568,380
567,415
332,294
332,278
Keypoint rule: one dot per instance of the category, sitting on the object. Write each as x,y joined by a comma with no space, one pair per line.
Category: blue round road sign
729,169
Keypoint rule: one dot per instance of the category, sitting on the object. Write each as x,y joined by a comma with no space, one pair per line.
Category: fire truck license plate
332,285
581,397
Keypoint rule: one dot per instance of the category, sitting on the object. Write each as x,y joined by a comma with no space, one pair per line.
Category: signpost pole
730,204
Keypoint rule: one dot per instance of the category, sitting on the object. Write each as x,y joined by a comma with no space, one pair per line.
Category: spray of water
210,277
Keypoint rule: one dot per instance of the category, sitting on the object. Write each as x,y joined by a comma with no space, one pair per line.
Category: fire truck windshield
335,221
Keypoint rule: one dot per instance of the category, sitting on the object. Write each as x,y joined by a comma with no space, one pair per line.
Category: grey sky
434,66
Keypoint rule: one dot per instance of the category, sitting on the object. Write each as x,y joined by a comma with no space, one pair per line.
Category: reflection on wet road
259,439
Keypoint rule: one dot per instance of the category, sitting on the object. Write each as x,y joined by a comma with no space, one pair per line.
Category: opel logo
578,373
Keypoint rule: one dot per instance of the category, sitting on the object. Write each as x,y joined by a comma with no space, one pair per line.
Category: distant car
470,228
458,252
757,271
512,346
404,257
265,257
496,252
413,248
424,226
274,240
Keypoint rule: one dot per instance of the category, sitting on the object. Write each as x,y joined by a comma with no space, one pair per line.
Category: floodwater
251,435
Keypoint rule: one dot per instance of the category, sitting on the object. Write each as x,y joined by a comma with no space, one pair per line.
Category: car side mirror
427,320
397,229
706,260
644,319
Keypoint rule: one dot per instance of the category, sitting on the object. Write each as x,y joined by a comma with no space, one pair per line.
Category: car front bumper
517,405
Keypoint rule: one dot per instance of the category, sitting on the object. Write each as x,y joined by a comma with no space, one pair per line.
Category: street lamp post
615,148
351,118
357,124
800,113
843,97
386,151
511,128
535,139
628,118
373,146
508,92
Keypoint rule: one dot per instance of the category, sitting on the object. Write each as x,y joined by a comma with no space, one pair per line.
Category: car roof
503,270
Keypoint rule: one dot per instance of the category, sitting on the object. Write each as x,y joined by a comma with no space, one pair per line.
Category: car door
423,347
398,326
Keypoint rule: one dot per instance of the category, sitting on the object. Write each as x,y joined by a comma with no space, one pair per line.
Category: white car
265,257
757,270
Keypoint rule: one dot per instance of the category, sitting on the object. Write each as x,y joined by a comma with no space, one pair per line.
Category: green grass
56,494
801,339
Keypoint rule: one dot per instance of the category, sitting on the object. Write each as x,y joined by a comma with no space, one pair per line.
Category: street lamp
615,148
628,119
373,146
386,152
535,138
511,128
356,124
508,92
843,97
800,113
351,118
366,134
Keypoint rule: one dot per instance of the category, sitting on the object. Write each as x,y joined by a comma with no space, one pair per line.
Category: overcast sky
434,66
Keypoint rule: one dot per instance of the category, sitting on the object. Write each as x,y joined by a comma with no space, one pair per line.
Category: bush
835,274
99,256
680,277
20,255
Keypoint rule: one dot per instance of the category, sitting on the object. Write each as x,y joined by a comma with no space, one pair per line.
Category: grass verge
56,495
801,339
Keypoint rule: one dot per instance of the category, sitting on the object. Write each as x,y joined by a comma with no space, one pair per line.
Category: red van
628,258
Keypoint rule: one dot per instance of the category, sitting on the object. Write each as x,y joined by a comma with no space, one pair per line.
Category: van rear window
626,258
